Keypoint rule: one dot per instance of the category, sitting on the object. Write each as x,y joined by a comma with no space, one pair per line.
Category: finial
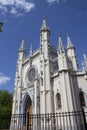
31,52
61,46
84,54
44,26
84,61
69,43
22,47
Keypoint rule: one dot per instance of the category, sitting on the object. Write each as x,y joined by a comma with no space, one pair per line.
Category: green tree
5,109
1,24
5,102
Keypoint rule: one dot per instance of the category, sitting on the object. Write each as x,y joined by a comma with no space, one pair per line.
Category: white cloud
4,79
13,11
3,8
16,7
53,1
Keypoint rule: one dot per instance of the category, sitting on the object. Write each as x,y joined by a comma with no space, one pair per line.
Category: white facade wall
42,87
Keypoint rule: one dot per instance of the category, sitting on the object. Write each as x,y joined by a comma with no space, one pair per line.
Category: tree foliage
5,102
5,109
1,24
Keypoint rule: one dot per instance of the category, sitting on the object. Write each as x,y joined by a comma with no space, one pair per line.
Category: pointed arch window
82,100
58,101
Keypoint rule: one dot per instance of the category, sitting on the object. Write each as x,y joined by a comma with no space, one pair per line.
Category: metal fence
53,121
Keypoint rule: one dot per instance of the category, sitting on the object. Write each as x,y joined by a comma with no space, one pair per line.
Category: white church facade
49,80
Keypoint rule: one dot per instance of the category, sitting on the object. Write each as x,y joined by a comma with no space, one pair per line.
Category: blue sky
22,20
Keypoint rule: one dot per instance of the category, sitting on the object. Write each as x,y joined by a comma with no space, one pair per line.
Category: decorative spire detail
61,46
31,52
44,25
84,55
22,47
84,63
69,43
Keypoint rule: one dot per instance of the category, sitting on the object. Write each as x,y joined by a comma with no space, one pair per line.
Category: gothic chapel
49,80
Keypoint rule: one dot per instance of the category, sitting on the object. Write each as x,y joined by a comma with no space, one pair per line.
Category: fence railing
53,121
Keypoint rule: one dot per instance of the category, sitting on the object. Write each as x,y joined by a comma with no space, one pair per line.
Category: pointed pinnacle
31,52
61,46
84,55
44,25
69,43
22,47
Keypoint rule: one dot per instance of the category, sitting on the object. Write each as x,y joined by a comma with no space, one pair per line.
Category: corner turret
71,54
62,56
21,57
18,80
44,39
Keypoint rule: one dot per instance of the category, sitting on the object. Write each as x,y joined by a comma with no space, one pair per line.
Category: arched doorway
27,108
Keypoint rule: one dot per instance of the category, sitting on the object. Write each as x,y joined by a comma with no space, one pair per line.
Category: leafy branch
1,24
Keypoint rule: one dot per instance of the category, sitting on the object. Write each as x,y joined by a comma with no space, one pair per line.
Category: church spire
71,54
61,46
44,38
69,42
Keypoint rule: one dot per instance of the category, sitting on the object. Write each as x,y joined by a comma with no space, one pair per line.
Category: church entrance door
30,115
28,108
